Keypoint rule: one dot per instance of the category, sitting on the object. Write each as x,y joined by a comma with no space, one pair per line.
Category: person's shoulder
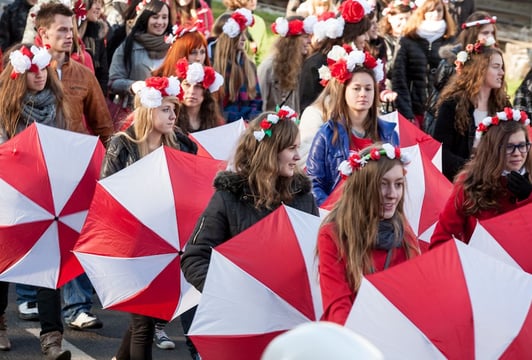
230,181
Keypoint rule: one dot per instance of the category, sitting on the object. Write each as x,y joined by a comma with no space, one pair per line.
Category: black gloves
519,185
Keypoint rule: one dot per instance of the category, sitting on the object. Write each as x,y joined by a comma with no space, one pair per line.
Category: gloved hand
519,185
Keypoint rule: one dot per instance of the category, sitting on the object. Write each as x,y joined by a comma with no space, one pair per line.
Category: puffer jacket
309,84
230,211
324,156
13,23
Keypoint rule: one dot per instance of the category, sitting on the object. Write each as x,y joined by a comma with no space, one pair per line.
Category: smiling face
360,92
164,118
157,23
495,74
288,158
392,189
36,82
94,13
515,160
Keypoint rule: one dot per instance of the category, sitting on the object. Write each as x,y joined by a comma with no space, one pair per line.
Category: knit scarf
40,107
431,30
386,238
154,45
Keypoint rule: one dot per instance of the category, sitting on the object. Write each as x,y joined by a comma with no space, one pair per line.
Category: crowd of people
174,69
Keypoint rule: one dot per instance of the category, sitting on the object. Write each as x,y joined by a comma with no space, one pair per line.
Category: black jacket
309,83
13,23
230,211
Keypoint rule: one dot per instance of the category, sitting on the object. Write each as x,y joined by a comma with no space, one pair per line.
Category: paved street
85,345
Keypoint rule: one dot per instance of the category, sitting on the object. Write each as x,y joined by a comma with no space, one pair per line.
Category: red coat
337,295
454,223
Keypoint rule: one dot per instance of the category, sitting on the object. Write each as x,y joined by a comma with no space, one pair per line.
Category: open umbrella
219,142
260,283
453,302
138,223
512,247
47,178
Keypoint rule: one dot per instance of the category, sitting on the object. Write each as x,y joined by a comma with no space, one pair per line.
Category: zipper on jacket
199,230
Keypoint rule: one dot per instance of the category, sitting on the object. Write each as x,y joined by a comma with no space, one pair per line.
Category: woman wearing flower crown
154,125
192,12
279,73
496,180
265,176
479,90
367,230
30,91
352,78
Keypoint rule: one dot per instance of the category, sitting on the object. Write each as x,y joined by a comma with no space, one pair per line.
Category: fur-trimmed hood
449,52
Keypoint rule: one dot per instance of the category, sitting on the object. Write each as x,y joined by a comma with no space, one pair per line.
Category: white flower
274,119
516,114
308,24
247,14
281,26
41,57
489,41
150,97
217,83
345,168
319,31
501,115
174,86
324,73
367,7
378,70
169,39
390,150
462,56
405,158
231,28
259,135
336,53
195,73
20,62
334,27
355,57
291,112
486,121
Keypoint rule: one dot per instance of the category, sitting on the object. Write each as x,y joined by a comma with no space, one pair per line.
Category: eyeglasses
522,147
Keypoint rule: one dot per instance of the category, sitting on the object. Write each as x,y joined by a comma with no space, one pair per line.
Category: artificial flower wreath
356,161
285,27
463,56
353,11
196,73
396,4
33,60
485,21
284,113
180,30
508,114
154,89
237,23
330,28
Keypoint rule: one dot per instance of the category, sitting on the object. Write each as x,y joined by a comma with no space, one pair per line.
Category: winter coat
94,40
271,92
324,156
309,85
310,123
13,23
230,211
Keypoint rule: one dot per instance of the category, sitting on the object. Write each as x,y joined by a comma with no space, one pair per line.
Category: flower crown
33,60
237,23
508,114
196,73
285,28
357,161
329,28
353,11
284,113
154,89
179,30
342,60
396,3
80,10
478,48
485,21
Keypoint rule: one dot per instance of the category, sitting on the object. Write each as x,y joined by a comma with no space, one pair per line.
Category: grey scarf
40,107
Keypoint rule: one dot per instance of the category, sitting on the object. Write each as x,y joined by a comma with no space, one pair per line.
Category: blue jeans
25,293
77,297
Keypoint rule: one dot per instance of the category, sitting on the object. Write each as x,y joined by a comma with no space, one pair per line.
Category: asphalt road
98,344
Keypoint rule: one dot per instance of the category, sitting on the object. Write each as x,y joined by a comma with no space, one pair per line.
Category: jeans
137,341
25,293
77,297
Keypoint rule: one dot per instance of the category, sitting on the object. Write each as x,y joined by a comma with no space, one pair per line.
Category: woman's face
93,14
494,78
361,40
157,23
515,160
251,5
360,92
241,41
392,189
288,158
36,82
397,22
435,14
486,31
197,55
183,3
192,94
305,43
164,117
372,32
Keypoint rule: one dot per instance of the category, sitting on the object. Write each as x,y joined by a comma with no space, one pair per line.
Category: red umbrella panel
219,142
139,221
47,178
453,302
492,236
260,283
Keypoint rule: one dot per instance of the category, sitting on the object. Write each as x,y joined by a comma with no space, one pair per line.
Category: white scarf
431,30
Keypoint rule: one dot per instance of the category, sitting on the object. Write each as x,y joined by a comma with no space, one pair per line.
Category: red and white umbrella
219,142
492,236
47,178
453,302
260,283
139,221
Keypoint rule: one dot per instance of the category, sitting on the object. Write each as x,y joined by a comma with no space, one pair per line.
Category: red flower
495,120
158,83
181,68
369,61
374,154
469,47
482,127
509,113
348,48
240,19
265,124
352,11
208,77
25,51
326,16
339,71
524,116
324,82
354,160
295,27
398,153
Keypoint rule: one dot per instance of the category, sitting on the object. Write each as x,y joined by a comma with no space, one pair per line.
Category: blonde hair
418,15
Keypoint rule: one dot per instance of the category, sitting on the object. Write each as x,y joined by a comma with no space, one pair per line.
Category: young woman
477,91
493,182
279,73
156,109
367,230
199,110
30,91
241,97
192,12
265,176
354,124
143,49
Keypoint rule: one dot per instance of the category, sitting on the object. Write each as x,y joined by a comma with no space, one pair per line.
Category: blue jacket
324,156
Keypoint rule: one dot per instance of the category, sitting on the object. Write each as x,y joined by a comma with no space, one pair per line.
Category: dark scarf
154,44
40,107
386,239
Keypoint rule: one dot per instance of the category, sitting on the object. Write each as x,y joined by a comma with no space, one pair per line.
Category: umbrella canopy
138,223
47,178
453,302
512,247
219,142
260,283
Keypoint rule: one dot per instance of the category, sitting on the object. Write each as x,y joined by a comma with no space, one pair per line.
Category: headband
179,30
397,3
485,21
284,113
196,73
33,60
237,23
472,49
508,114
154,89
296,27
357,161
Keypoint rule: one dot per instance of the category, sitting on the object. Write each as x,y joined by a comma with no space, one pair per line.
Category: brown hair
470,35
417,17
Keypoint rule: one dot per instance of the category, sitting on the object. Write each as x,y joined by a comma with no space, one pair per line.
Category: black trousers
138,339
49,306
